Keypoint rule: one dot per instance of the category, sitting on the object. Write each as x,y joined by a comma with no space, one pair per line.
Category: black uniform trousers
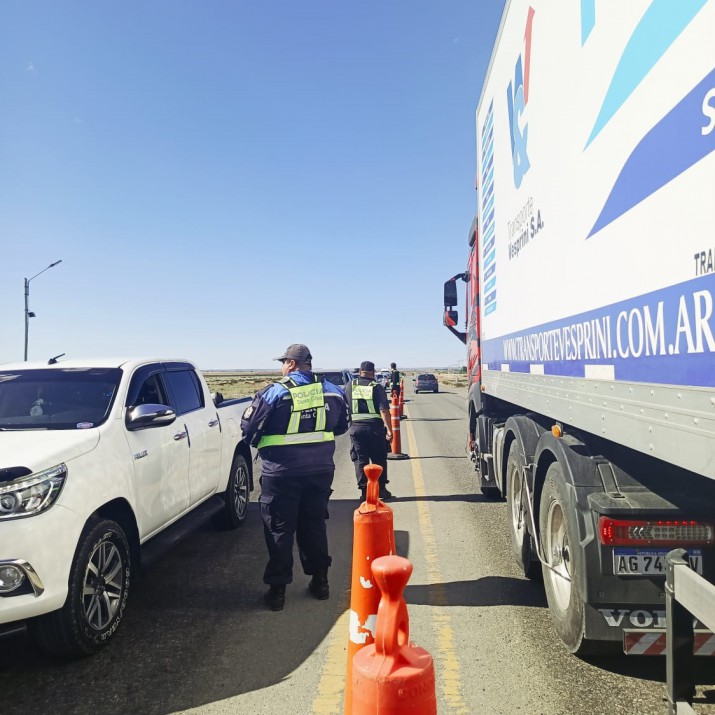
368,444
295,506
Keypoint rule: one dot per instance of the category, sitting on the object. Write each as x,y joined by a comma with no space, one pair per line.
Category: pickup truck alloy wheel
237,495
559,541
521,542
98,591
103,585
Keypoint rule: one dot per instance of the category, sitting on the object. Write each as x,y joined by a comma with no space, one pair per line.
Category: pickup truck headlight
31,494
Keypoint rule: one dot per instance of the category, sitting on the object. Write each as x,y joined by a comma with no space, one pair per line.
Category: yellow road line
331,688
447,656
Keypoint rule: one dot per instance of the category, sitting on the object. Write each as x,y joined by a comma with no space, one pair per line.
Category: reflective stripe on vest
303,398
366,393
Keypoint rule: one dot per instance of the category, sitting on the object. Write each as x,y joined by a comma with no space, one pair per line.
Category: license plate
643,562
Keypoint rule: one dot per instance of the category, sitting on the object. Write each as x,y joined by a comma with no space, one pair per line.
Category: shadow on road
653,668
442,456
434,419
195,631
467,498
487,591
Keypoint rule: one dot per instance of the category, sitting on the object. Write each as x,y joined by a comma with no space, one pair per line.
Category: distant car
383,378
426,383
341,378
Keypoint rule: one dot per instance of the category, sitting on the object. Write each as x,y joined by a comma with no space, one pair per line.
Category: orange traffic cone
396,446
392,676
373,536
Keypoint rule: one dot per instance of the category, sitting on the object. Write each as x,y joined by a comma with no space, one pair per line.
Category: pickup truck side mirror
149,415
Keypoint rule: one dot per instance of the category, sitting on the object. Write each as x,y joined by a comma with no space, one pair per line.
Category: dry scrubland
246,384
239,384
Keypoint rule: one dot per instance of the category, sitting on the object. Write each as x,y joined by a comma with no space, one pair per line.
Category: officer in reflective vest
395,379
371,428
293,422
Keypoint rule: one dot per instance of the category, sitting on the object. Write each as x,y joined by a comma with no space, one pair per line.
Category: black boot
318,585
275,597
385,493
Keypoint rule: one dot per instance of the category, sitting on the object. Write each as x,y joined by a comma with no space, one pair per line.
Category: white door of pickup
204,432
161,474
205,459
161,465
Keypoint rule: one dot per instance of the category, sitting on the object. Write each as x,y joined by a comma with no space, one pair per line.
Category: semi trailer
590,325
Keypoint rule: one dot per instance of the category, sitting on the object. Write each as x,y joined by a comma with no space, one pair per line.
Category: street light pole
28,314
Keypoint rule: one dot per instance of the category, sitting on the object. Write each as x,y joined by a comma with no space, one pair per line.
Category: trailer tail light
658,532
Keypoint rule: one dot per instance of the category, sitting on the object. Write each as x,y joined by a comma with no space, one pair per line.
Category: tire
417,392
558,534
98,591
522,546
236,496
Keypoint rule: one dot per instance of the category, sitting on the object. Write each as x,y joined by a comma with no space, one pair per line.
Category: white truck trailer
590,324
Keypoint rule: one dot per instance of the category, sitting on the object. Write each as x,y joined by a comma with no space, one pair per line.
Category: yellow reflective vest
303,398
367,393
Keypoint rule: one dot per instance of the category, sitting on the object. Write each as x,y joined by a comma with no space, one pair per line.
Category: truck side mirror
450,294
451,318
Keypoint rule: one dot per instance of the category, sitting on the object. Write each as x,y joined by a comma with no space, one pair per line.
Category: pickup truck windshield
72,398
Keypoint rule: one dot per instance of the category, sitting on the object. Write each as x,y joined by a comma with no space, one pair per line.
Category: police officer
395,377
370,428
293,422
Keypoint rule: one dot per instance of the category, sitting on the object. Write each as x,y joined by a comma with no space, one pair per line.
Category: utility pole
28,313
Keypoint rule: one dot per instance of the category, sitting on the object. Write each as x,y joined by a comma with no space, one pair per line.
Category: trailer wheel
521,541
560,541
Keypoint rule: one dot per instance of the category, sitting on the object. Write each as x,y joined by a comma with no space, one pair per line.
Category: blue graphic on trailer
678,140
664,337
659,27
672,146
487,212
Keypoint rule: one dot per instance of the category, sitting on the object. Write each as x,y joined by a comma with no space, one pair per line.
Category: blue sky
221,179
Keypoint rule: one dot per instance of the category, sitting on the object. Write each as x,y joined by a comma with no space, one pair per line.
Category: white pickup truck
102,465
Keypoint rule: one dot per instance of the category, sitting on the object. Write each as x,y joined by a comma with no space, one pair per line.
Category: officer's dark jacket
379,397
270,413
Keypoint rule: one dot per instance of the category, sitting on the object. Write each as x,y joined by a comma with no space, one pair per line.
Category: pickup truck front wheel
236,496
97,595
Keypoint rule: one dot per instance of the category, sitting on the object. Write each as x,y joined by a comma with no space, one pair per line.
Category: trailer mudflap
653,642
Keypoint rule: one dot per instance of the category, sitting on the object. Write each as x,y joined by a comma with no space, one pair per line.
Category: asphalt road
196,636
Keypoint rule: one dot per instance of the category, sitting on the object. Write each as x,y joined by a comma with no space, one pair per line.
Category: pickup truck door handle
213,423
181,435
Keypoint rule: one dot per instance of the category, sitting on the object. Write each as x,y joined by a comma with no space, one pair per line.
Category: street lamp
28,313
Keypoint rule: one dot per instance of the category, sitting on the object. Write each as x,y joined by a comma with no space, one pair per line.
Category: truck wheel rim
559,555
240,491
103,585
517,505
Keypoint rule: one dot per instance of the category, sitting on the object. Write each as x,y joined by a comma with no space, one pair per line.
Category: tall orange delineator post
402,399
392,676
396,446
373,536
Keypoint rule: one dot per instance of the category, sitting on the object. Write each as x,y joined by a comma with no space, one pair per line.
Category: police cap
297,352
